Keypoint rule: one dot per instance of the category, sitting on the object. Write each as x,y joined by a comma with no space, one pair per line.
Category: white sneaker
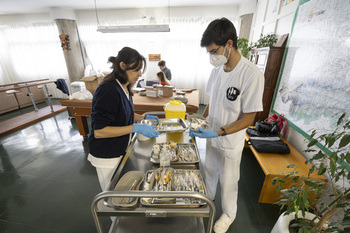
222,225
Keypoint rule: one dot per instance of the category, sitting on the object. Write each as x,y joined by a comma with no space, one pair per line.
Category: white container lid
77,84
175,105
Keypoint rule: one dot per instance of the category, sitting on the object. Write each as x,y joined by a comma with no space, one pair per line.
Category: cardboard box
166,91
151,91
92,82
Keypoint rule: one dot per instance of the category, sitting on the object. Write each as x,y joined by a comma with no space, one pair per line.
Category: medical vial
164,158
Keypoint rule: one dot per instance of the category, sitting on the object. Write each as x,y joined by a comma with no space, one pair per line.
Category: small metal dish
130,181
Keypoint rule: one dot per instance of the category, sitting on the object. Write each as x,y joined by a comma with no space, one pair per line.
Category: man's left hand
204,133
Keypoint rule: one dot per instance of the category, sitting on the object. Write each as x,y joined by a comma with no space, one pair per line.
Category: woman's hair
133,61
161,75
219,32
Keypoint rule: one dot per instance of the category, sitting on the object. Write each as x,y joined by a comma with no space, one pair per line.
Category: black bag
252,132
270,128
269,145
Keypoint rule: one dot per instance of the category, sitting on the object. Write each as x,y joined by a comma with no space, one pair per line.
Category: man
235,90
165,69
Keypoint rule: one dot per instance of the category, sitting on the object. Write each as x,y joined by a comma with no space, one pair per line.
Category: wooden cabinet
269,60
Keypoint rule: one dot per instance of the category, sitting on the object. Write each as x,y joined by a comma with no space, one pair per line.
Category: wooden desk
274,164
81,109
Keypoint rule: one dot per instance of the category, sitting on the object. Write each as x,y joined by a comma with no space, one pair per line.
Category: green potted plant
242,44
268,40
331,210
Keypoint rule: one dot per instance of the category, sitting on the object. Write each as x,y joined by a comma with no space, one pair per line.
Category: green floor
47,185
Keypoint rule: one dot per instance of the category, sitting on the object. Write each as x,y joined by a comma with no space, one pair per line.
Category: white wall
271,17
28,18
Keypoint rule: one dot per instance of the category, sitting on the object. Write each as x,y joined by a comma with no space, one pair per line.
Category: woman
162,79
112,115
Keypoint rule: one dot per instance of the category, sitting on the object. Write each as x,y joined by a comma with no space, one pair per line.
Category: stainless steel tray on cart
181,153
167,125
169,179
130,181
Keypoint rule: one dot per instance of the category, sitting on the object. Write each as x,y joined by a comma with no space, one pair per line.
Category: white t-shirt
230,95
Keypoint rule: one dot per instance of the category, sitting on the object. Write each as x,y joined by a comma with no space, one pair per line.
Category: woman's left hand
152,117
145,130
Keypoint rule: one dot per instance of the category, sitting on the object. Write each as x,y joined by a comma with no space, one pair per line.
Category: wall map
314,84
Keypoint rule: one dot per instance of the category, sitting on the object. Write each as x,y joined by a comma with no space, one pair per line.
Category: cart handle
151,194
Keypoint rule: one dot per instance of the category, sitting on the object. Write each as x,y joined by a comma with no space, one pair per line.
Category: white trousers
104,176
219,167
105,169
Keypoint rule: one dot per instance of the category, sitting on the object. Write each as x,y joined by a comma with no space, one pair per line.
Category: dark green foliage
242,44
264,41
330,160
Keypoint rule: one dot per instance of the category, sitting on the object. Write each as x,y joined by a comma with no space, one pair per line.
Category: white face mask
219,60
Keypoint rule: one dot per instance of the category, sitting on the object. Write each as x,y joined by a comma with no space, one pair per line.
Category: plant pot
282,224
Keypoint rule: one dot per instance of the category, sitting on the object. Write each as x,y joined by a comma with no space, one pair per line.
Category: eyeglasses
213,51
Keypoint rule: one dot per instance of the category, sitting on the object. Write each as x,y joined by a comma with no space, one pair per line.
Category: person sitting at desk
165,69
162,79
113,116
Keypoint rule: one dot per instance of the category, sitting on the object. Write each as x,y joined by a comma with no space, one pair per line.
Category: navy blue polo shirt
110,107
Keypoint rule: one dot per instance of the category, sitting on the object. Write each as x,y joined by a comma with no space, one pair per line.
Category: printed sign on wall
154,57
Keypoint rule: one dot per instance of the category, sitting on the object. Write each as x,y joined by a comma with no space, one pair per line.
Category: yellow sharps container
175,109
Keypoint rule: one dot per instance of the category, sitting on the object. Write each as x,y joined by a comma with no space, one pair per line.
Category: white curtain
32,52
180,48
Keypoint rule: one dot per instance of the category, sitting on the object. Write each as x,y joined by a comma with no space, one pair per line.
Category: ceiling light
135,28
151,27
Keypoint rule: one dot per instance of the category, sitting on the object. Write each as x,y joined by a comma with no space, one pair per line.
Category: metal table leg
31,97
48,96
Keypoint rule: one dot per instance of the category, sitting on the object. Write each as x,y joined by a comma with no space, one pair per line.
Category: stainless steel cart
151,219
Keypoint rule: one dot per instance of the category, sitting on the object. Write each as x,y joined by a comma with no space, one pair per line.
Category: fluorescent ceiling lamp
134,28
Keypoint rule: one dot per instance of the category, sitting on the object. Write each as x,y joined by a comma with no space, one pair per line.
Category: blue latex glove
152,117
145,130
204,133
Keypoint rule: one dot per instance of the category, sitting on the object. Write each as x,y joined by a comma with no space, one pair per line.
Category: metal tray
130,181
167,125
169,179
185,153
